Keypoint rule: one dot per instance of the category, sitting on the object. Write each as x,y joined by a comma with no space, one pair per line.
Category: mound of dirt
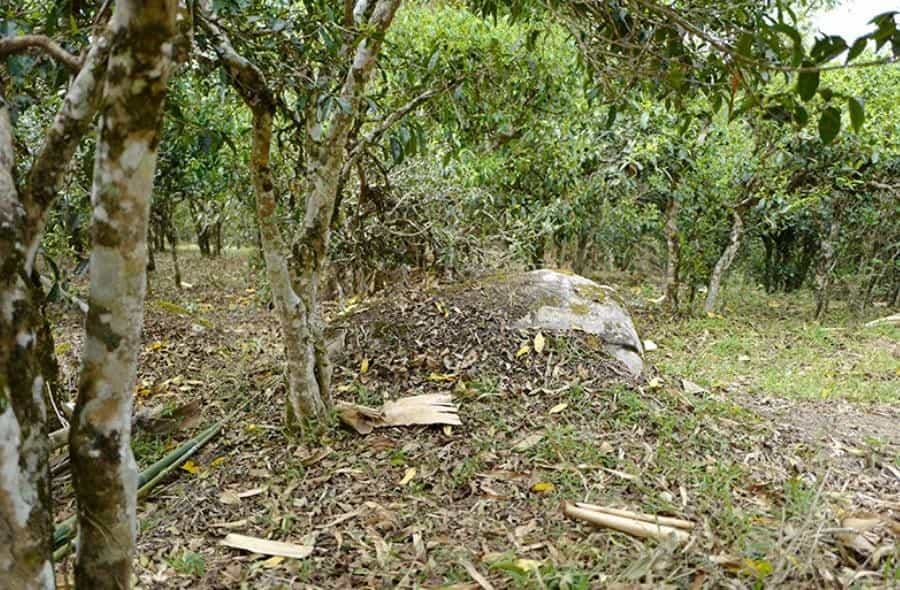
509,325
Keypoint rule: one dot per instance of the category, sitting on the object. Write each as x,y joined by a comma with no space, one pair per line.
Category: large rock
561,302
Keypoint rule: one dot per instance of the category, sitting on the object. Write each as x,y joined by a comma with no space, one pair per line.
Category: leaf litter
767,502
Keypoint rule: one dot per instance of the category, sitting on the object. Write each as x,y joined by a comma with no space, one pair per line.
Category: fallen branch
891,319
637,528
663,520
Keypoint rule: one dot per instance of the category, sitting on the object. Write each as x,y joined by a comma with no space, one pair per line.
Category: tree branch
391,120
46,44
62,138
727,49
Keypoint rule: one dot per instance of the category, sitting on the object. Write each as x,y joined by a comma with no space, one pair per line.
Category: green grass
769,344
189,564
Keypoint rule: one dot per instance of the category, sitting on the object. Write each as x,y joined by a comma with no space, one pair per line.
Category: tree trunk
581,251
26,361
826,265
25,508
725,260
309,250
217,239
673,250
296,277
174,243
103,467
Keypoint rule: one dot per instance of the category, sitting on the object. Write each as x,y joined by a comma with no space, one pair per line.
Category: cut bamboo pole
637,528
148,478
663,520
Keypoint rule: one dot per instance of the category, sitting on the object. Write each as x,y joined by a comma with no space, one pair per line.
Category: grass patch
769,344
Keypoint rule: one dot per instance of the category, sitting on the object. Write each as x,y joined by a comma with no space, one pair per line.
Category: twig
46,44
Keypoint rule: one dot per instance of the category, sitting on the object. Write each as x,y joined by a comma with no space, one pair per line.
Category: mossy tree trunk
673,251
103,467
826,263
725,260
27,364
296,274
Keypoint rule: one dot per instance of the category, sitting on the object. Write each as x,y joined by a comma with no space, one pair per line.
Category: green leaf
829,124
857,112
807,83
611,116
857,48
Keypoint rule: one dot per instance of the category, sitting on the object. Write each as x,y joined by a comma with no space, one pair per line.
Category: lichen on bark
103,466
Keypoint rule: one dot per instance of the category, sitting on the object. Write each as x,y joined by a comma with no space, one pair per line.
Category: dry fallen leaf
692,388
408,476
528,442
543,487
364,366
267,547
539,343
526,565
191,467
523,350
558,408
433,408
229,498
439,377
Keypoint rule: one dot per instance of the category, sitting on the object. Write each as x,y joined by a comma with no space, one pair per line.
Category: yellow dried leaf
759,568
408,476
62,348
526,565
558,408
654,383
543,487
273,562
191,467
218,461
155,345
364,366
448,430
539,343
438,377
524,349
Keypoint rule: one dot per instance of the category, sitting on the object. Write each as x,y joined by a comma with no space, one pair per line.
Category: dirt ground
768,482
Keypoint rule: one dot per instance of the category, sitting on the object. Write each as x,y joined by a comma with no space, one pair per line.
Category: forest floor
783,430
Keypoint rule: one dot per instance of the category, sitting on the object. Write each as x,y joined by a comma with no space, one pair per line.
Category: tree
132,52
296,274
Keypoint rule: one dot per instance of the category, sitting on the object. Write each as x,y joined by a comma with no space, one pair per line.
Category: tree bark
309,250
103,466
25,510
295,276
725,260
25,368
826,264
673,253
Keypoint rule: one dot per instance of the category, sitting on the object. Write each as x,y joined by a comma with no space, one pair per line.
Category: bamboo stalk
638,528
663,520
148,478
